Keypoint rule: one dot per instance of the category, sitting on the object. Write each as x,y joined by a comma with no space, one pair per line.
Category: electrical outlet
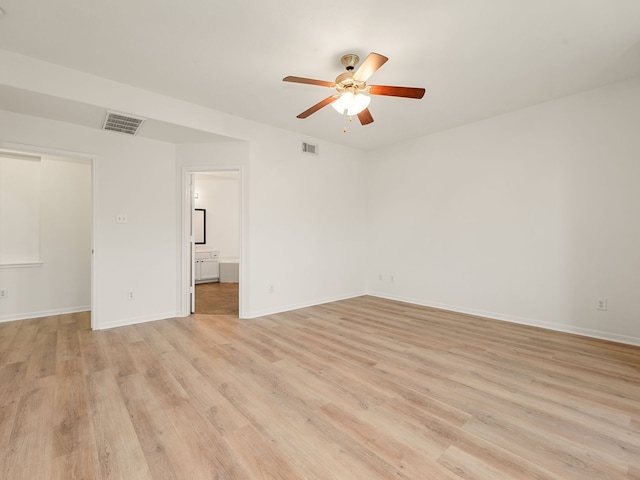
601,304
271,288
380,276
130,296
4,293
121,218
392,279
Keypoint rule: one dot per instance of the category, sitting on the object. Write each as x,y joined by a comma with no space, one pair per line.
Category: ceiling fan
353,92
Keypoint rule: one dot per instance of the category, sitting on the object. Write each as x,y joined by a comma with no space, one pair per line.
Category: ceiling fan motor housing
346,83
350,61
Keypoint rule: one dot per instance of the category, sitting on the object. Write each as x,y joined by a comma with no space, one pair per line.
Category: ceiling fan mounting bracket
350,60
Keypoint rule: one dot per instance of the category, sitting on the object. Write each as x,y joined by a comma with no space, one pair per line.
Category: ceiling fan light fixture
350,99
353,104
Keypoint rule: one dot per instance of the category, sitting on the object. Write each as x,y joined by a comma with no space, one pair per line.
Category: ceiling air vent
310,148
122,123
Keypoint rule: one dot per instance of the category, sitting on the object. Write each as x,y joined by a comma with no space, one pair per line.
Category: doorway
46,259
213,245
216,216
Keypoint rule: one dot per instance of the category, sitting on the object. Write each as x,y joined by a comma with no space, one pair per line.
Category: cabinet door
209,269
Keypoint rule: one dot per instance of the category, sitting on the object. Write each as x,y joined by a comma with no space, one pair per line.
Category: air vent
310,148
122,123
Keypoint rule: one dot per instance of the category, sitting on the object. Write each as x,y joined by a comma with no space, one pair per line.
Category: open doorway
215,264
46,205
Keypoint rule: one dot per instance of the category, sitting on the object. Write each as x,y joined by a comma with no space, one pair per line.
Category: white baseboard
124,322
44,313
559,327
271,311
287,308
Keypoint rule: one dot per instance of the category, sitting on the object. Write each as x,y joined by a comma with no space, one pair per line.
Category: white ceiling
476,58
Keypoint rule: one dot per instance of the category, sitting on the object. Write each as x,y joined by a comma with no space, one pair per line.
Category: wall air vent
310,148
122,123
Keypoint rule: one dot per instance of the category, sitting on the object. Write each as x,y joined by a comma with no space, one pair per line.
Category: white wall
528,217
20,192
303,227
307,227
62,283
219,195
136,177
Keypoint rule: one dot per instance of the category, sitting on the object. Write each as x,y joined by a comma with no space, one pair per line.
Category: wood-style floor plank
157,437
82,464
31,433
120,454
72,428
223,416
364,388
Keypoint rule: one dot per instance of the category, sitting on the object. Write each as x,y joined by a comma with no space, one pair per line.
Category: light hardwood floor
359,389
216,298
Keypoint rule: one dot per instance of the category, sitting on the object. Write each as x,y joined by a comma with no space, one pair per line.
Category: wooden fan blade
406,92
370,65
365,117
318,106
308,81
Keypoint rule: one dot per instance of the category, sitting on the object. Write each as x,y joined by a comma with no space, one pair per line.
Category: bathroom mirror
200,225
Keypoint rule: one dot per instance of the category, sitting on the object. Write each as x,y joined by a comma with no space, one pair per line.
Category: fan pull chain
344,130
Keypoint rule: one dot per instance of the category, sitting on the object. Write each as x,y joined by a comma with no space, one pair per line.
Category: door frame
185,255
